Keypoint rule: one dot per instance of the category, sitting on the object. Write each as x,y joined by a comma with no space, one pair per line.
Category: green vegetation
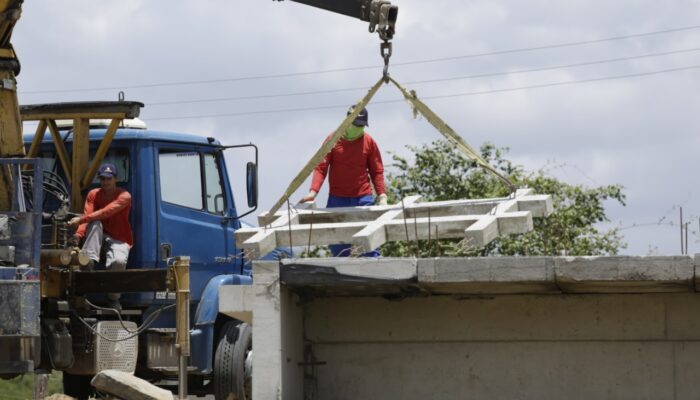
22,387
440,172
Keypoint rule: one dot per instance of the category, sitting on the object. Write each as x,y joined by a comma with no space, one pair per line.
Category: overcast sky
640,132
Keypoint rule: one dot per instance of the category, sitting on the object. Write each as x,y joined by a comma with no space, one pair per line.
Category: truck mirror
252,184
251,179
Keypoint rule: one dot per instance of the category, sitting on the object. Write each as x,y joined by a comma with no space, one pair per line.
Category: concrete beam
374,234
478,220
625,274
350,276
492,275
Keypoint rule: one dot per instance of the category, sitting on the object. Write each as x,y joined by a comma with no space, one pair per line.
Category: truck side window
214,187
181,178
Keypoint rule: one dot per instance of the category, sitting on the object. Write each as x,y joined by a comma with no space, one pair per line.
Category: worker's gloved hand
75,221
381,199
309,197
74,240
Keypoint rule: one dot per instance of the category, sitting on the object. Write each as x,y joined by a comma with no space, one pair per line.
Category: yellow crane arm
10,123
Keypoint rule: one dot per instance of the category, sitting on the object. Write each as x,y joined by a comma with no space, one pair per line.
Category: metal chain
385,51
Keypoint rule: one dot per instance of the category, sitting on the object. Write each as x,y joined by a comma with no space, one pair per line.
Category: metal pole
681,226
181,272
41,385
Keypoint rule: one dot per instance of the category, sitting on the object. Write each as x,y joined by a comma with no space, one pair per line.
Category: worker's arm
375,166
317,179
88,209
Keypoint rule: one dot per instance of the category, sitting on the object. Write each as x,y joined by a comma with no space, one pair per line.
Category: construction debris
124,385
478,221
59,397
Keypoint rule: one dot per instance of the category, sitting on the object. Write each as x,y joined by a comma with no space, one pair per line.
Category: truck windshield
118,157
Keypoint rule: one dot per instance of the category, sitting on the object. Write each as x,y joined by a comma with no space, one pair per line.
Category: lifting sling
418,107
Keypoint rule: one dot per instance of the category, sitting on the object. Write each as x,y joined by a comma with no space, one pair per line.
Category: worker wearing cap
105,225
355,165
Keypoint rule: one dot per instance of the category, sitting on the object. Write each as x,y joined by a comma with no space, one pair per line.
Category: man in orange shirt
355,167
105,225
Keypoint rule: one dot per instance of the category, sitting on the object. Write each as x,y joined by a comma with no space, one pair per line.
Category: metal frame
29,236
79,171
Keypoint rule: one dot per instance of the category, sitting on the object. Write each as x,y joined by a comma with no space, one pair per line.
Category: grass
22,387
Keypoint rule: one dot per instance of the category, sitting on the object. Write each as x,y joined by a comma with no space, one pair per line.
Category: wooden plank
60,150
81,110
38,138
74,116
101,152
131,280
81,147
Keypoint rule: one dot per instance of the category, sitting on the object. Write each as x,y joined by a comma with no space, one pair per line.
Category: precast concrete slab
625,274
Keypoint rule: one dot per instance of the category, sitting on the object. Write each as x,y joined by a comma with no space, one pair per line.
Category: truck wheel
233,362
78,386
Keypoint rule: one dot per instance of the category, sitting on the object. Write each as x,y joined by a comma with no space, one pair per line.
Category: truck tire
231,375
78,386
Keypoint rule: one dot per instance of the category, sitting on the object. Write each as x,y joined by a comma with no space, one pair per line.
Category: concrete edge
625,274
507,275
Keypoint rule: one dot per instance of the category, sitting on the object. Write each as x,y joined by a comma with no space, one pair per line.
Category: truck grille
112,348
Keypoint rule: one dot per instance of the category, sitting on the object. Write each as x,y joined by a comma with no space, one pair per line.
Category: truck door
192,217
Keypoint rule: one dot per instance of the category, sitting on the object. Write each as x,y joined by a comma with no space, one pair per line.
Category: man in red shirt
105,225
355,165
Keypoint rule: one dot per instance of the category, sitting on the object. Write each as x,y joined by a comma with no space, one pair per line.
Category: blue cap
107,171
362,117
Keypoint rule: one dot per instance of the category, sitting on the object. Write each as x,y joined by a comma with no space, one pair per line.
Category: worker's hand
381,199
75,221
309,197
74,240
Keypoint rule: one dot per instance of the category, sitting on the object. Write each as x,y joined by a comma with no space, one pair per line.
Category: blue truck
182,205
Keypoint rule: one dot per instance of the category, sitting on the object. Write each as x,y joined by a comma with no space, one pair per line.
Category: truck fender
202,334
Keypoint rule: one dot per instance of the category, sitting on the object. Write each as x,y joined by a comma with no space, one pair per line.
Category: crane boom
10,124
380,14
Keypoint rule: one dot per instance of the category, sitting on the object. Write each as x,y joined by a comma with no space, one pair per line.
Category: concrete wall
519,328
507,347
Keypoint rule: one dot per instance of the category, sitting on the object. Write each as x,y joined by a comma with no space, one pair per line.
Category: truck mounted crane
48,319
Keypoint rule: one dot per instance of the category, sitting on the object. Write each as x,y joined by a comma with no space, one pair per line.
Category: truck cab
182,205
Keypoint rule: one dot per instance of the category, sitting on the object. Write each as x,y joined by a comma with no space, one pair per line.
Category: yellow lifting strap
418,106
325,149
448,132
